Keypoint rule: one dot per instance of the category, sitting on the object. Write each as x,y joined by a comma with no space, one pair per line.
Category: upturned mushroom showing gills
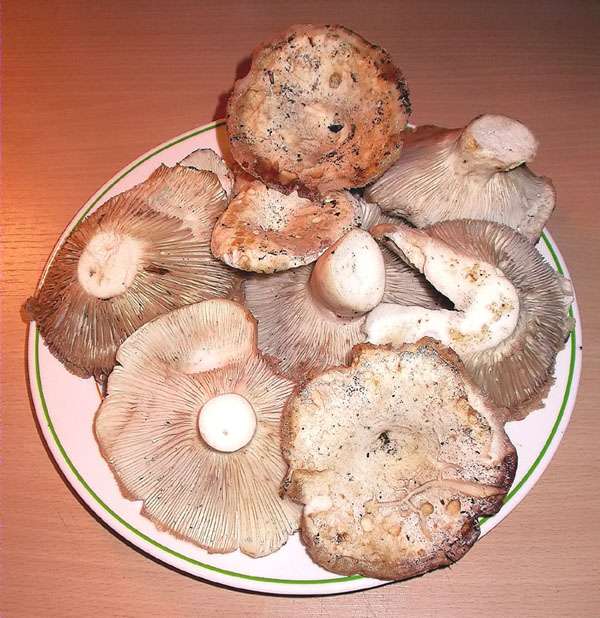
320,110
478,172
310,317
195,436
511,309
394,459
193,196
266,231
207,159
121,267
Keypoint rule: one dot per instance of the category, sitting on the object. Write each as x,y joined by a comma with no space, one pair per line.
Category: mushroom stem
227,422
493,143
108,264
487,302
349,278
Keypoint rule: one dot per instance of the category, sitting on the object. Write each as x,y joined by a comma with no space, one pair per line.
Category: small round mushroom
394,459
511,317
266,231
196,197
310,317
207,159
478,172
320,110
199,443
121,267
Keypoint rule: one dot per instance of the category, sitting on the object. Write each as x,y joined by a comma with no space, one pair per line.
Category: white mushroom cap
478,172
489,271
207,159
394,459
120,268
266,231
349,278
162,433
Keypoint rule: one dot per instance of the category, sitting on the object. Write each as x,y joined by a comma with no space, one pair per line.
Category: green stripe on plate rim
209,567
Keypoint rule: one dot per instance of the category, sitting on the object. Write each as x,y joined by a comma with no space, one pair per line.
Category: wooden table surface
88,86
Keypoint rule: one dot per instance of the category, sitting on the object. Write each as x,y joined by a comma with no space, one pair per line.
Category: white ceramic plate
65,407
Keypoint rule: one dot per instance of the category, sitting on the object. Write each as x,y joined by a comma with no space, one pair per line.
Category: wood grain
87,87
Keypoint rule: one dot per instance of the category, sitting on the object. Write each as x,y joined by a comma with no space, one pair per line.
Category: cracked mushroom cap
200,449
266,231
511,317
207,159
394,459
193,196
121,267
320,110
478,172
310,317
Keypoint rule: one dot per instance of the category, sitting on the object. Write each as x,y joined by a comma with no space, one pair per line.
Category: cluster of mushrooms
330,333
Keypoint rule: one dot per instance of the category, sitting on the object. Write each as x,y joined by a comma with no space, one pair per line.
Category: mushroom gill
207,159
478,172
511,317
121,267
201,450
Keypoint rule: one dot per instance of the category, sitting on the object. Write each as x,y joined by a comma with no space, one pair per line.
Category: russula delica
320,110
511,309
121,267
207,159
194,434
394,458
266,231
310,317
478,172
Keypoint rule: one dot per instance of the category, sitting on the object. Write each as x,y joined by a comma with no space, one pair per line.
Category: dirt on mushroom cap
394,458
321,109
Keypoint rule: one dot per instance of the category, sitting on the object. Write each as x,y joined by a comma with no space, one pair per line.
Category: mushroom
310,317
195,436
478,172
511,317
266,231
196,197
394,458
320,110
207,159
121,267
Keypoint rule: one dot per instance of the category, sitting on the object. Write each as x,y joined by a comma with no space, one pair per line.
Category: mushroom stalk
227,422
487,302
349,278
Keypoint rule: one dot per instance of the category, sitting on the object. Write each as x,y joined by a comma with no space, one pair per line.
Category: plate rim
226,576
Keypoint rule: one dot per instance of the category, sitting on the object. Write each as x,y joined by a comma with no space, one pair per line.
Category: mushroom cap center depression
108,264
227,422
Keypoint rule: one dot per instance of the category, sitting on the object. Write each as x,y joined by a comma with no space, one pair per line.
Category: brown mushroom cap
517,372
170,268
478,172
394,459
320,110
207,159
147,430
266,231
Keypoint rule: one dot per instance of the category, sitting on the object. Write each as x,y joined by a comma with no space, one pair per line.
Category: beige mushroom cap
120,268
266,231
151,431
511,357
478,172
394,459
320,110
